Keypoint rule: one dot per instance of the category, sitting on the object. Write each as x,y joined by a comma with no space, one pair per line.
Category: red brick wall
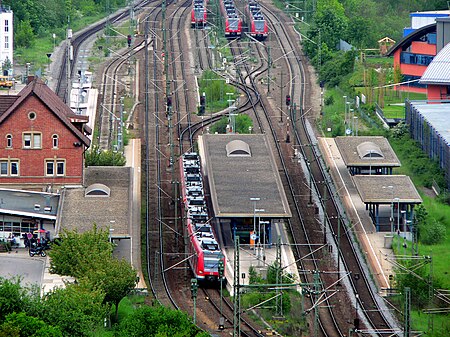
32,161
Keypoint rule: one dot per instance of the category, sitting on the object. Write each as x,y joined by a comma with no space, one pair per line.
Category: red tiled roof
38,88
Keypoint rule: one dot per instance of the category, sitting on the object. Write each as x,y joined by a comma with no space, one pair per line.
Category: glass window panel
14,168
27,140
49,168
60,168
4,168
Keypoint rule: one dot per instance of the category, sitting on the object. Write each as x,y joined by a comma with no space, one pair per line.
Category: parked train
198,13
203,248
257,23
232,21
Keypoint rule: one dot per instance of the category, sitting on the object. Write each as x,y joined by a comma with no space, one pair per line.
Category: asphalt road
30,269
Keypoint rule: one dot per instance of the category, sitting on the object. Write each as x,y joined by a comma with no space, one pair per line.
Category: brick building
42,142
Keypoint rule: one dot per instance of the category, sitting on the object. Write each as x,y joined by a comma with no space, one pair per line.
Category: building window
32,140
6,42
55,167
6,25
32,115
411,58
9,141
55,141
9,167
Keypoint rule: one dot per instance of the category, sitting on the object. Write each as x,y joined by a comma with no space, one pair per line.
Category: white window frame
9,141
6,25
55,141
9,163
56,165
6,42
34,144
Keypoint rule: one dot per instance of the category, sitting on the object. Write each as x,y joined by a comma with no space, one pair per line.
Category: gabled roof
38,88
438,71
408,39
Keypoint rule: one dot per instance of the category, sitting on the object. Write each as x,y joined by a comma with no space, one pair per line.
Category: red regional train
198,13
257,23
233,23
202,246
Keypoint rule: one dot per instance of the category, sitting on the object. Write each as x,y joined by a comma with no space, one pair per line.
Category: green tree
76,310
243,122
27,326
97,157
158,321
15,298
77,253
23,35
116,278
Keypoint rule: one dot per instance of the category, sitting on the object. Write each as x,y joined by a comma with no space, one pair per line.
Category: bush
432,233
329,100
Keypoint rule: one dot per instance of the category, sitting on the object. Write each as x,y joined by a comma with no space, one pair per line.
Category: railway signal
288,100
194,287
129,41
169,101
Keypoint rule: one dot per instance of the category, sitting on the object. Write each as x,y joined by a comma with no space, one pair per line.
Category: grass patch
394,111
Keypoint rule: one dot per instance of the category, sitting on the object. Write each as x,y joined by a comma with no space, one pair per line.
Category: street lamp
258,255
350,116
111,223
254,212
345,110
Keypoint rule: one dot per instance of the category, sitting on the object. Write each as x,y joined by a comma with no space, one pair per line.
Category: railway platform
372,242
260,258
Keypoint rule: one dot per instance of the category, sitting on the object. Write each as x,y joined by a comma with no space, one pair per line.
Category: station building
246,191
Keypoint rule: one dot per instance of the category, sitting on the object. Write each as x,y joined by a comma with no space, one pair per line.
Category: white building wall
6,35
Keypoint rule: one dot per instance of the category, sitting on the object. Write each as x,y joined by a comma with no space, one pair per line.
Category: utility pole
236,291
407,323
269,65
316,292
278,280
69,59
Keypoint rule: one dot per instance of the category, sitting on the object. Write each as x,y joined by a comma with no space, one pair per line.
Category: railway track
156,153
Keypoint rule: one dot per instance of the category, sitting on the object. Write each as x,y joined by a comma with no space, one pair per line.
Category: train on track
257,24
205,255
232,20
199,14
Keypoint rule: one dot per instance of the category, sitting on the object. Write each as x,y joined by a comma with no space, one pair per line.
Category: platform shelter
246,191
367,155
390,200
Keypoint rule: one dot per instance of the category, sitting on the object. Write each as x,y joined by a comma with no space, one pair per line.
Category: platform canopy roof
367,151
385,189
238,168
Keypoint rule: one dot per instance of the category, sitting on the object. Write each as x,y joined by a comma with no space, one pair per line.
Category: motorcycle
39,250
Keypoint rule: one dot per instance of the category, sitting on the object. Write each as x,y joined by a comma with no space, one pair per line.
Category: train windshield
211,262
259,25
199,11
233,24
